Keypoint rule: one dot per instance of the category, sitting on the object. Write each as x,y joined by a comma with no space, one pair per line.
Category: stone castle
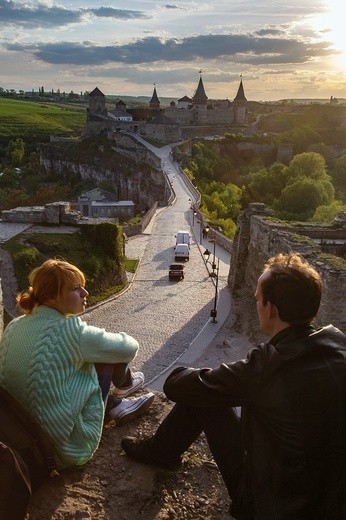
186,118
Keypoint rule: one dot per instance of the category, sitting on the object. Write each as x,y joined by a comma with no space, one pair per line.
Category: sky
281,49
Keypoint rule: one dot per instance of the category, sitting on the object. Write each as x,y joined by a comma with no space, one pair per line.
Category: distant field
28,119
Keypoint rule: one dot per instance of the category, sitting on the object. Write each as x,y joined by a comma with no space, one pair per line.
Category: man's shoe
129,409
141,450
136,384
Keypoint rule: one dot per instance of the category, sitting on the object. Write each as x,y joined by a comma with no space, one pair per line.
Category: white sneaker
137,383
131,408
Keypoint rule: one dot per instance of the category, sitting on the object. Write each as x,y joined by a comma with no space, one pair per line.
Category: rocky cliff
94,160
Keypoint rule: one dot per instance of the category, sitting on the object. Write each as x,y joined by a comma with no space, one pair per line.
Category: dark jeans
184,424
119,374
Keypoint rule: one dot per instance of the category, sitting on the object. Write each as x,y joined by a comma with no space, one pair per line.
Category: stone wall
54,213
258,238
137,230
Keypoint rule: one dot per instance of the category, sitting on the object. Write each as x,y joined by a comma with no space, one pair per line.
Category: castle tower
97,102
240,104
154,103
199,102
120,105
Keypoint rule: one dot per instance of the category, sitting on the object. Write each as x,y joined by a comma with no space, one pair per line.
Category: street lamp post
213,312
212,241
200,222
206,231
215,275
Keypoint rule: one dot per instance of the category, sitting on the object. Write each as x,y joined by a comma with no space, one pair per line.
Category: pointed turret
240,104
154,103
240,94
200,97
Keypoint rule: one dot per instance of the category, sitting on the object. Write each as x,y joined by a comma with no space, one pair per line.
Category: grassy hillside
28,119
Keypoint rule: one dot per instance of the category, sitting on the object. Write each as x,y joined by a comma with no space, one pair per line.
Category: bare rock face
130,172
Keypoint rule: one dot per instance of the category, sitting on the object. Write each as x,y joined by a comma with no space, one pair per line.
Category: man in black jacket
285,457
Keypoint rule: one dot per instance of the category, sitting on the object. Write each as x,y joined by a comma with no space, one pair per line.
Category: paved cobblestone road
164,316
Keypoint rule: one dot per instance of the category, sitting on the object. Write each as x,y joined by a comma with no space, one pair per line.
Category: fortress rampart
259,237
54,213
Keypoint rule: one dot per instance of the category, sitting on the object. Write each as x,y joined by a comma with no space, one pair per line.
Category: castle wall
162,132
216,116
104,125
255,147
202,115
54,213
180,115
258,238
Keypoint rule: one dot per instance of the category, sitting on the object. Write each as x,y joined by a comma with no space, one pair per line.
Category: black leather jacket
292,393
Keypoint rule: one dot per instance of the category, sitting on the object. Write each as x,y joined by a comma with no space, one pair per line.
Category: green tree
302,137
214,205
300,199
203,162
307,164
13,198
338,173
326,214
267,184
16,151
327,152
46,194
8,178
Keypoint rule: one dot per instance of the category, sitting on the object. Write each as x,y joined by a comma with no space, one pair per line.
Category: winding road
164,316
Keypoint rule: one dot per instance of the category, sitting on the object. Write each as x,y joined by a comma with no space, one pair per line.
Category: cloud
172,6
270,31
40,15
121,14
237,48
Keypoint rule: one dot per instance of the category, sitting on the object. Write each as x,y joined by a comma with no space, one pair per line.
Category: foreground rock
111,486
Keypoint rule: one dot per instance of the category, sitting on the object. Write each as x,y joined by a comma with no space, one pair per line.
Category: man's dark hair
294,287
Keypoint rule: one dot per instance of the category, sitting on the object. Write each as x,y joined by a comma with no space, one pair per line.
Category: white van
181,251
182,237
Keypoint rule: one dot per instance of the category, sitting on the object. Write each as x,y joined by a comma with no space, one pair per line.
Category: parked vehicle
182,251
176,271
182,237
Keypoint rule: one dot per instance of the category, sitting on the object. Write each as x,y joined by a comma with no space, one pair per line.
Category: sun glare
331,23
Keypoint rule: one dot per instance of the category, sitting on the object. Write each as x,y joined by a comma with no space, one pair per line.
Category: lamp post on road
205,231
213,312
200,222
211,241
215,275
194,213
